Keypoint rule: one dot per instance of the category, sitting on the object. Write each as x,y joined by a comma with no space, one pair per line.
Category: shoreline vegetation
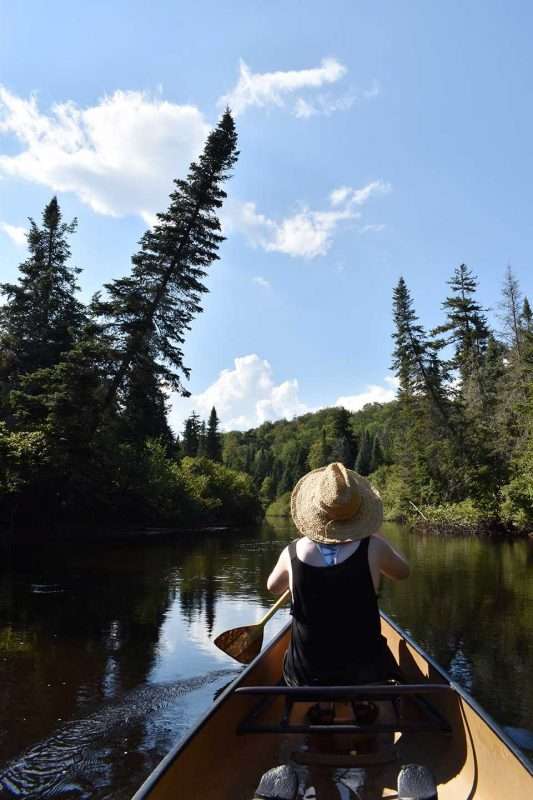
84,396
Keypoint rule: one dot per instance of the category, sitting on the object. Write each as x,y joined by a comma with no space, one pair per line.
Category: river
107,655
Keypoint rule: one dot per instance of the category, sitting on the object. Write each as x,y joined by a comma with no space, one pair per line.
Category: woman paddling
333,573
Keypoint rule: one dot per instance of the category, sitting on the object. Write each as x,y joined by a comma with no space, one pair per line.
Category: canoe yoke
432,719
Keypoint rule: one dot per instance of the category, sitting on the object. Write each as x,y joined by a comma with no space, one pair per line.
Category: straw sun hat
332,504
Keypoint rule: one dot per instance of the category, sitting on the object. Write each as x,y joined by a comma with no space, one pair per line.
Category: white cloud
307,233
374,228
118,156
324,105
16,233
374,91
262,282
244,397
372,394
271,88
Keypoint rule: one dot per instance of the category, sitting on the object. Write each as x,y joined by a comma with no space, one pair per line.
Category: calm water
106,654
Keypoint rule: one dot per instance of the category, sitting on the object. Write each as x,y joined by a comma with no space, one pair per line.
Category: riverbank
452,519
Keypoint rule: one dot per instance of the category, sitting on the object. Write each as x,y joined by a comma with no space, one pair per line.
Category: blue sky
377,139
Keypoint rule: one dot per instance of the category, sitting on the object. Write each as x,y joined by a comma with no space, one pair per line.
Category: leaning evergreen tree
149,311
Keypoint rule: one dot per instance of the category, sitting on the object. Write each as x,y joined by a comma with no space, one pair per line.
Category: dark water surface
106,654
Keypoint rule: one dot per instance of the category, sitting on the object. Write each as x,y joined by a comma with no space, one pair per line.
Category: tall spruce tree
213,439
151,309
343,448
363,461
414,358
42,317
510,311
466,328
190,440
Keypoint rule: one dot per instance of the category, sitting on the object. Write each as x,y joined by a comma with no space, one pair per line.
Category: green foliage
387,479
218,493
23,457
517,496
463,514
280,507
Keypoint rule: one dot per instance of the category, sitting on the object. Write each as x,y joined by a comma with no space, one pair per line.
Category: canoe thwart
431,719
375,691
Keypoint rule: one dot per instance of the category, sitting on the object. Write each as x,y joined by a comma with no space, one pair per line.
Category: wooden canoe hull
214,761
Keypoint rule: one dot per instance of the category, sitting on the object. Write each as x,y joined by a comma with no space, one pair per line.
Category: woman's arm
386,560
278,580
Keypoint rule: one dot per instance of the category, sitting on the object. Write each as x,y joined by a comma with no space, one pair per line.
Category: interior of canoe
251,730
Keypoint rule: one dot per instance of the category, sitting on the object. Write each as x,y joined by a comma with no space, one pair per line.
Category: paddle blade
242,644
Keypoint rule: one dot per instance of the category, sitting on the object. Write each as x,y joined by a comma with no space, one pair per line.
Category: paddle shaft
270,613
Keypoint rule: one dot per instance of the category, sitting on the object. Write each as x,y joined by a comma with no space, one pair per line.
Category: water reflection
114,651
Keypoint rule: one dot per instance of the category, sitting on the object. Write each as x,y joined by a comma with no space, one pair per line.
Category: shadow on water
65,761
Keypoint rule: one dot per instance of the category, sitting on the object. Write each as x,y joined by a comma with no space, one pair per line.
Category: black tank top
336,632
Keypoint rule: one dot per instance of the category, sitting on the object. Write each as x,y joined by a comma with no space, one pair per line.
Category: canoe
257,725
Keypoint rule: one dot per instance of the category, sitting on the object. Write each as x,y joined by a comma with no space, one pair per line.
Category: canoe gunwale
465,696
144,791
147,786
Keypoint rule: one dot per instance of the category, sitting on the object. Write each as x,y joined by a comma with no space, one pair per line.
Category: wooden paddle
243,644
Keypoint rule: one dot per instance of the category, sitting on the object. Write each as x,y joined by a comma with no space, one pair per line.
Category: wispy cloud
118,156
307,233
16,233
262,89
262,282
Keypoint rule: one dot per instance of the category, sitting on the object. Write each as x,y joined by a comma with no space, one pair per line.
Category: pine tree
343,448
154,306
526,317
319,452
466,328
510,311
363,461
42,318
213,440
414,358
201,451
376,458
190,440
410,343
145,405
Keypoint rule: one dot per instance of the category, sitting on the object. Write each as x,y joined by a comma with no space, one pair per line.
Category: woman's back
336,625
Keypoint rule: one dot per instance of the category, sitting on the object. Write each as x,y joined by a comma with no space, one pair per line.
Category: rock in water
415,782
279,783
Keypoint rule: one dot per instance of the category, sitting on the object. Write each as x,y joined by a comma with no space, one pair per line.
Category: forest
84,436
84,388
454,449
